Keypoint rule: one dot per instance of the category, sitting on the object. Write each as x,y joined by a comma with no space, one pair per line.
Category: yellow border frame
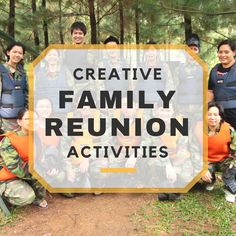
119,190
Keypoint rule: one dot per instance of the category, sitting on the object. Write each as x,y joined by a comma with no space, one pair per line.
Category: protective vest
47,87
13,97
218,145
190,86
20,143
224,87
150,86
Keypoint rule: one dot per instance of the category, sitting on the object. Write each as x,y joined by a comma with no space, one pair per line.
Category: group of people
19,187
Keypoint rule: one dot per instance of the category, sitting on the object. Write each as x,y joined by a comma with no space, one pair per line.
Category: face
15,54
44,108
112,51
52,57
226,55
214,117
25,123
78,36
151,57
194,48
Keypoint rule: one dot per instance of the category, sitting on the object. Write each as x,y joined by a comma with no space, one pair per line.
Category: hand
207,177
171,173
84,166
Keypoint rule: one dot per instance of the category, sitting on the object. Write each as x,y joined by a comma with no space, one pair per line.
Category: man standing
187,155
78,32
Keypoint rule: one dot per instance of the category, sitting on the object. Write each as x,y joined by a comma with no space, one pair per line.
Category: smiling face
151,57
226,55
15,55
25,123
214,117
78,36
44,108
52,57
112,51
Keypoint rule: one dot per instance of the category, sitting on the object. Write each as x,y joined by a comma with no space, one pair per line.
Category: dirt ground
106,214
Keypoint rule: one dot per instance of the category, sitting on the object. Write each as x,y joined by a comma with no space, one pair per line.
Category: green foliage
15,214
161,21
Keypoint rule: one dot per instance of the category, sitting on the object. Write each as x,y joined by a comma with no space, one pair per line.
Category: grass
9,220
198,213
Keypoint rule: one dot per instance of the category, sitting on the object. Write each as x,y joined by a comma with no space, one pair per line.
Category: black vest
13,94
224,87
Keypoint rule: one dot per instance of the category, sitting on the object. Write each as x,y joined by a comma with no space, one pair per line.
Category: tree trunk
45,25
35,30
60,24
187,26
92,22
137,23
121,11
11,20
98,23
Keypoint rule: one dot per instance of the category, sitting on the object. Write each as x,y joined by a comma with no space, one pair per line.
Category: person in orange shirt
221,150
17,185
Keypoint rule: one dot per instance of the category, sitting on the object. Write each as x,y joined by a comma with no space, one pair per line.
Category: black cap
193,40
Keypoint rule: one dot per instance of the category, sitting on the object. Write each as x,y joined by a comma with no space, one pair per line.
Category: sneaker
97,193
229,197
209,187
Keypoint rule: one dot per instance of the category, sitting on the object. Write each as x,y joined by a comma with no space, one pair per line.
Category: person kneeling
220,135
17,185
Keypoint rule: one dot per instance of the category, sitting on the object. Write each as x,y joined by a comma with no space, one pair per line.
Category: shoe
97,193
174,196
209,187
68,195
229,197
163,196
41,204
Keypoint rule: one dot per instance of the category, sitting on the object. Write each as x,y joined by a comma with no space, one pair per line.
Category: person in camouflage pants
17,185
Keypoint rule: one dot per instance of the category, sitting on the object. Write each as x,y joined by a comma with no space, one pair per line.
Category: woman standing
13,87
222,81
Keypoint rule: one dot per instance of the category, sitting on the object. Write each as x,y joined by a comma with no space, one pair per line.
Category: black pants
230,116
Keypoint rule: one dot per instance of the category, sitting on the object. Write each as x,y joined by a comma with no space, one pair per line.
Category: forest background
38,23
